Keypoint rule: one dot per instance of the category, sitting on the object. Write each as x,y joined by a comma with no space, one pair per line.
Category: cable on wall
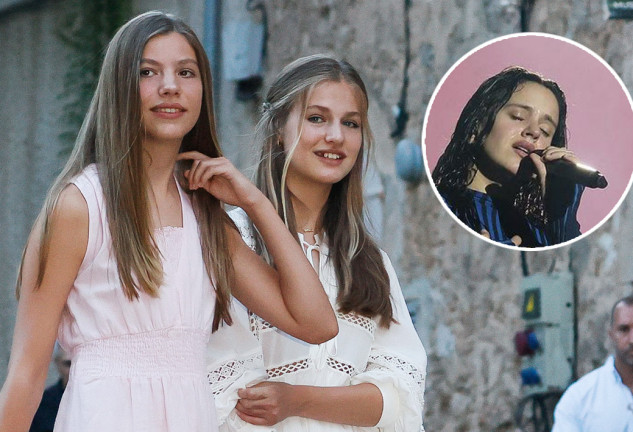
400,110
408,157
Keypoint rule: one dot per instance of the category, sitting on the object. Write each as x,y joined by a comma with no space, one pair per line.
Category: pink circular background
599,114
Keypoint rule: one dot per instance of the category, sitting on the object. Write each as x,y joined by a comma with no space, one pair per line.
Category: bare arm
269,403
290,297
39,310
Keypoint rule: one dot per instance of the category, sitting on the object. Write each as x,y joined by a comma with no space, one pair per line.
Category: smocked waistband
160,353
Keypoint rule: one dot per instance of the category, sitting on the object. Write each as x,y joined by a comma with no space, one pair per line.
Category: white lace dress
251,350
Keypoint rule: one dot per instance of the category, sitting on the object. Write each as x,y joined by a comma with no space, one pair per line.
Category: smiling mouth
168,110
330,155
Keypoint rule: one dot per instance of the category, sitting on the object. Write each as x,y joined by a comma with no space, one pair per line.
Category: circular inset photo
527,141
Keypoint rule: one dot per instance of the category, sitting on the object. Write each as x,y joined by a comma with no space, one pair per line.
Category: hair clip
266,106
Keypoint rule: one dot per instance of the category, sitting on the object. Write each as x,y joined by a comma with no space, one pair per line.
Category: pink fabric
137,365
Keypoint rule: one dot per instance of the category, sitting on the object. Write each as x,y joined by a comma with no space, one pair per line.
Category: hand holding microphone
572,170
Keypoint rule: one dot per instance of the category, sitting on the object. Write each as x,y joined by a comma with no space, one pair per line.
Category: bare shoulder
70,210
71,205
64,248
68,225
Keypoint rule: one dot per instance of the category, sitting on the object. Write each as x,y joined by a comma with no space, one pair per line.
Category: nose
532,131
169,84
334,133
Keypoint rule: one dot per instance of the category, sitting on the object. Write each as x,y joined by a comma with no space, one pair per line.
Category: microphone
575,172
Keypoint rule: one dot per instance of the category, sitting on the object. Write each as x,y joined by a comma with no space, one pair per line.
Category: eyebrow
322,108
179,62
548,117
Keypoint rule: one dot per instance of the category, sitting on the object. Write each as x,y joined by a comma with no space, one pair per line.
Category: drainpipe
211,42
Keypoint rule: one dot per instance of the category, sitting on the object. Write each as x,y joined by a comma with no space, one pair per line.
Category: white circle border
426,118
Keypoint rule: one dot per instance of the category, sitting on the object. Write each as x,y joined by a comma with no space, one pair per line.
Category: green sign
620,9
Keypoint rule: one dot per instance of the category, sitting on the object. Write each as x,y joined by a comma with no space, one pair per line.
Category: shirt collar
610,366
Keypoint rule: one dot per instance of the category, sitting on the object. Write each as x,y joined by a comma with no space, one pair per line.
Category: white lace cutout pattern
307,363
258,325
225,375
363,322
415,380
288,368
252,318
342,367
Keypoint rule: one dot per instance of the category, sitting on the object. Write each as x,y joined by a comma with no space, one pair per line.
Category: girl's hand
551,153
221,179
266,403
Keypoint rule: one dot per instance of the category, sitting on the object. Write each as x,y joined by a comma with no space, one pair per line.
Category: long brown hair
360,271
111,136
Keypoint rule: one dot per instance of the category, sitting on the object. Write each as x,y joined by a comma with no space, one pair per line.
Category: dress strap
309,248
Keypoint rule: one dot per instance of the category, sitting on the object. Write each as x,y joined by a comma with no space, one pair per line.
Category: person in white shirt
314,131
602,400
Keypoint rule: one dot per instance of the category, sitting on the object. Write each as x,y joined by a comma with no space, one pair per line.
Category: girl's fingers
251,419
554,153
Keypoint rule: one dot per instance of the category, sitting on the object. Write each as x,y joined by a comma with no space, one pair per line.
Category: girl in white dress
132,261
314,133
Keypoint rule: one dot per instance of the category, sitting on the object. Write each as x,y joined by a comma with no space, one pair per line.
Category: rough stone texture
464,292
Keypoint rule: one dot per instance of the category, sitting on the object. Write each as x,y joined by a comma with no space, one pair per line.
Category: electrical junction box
547,342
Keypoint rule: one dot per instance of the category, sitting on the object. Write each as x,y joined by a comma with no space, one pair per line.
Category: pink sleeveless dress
137,365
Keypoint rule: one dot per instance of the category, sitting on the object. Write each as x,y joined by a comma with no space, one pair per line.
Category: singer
493,174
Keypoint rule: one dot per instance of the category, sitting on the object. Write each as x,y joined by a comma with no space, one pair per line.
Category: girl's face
331,137
170,89
525,123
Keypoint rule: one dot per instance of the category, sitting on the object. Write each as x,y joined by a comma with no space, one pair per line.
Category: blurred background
468,298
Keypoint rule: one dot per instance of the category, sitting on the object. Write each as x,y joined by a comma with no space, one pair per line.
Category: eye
315,119
147,72
546,133
516,117
187,73
352,124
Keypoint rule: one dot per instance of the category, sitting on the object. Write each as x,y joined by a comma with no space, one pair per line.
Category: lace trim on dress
342,367
289,368
259,325
361,321
415,380
222,377
307,364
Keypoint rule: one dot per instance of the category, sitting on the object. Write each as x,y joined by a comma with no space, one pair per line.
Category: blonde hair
360,271
110,137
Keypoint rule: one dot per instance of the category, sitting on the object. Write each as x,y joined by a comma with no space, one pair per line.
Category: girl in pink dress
132,261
